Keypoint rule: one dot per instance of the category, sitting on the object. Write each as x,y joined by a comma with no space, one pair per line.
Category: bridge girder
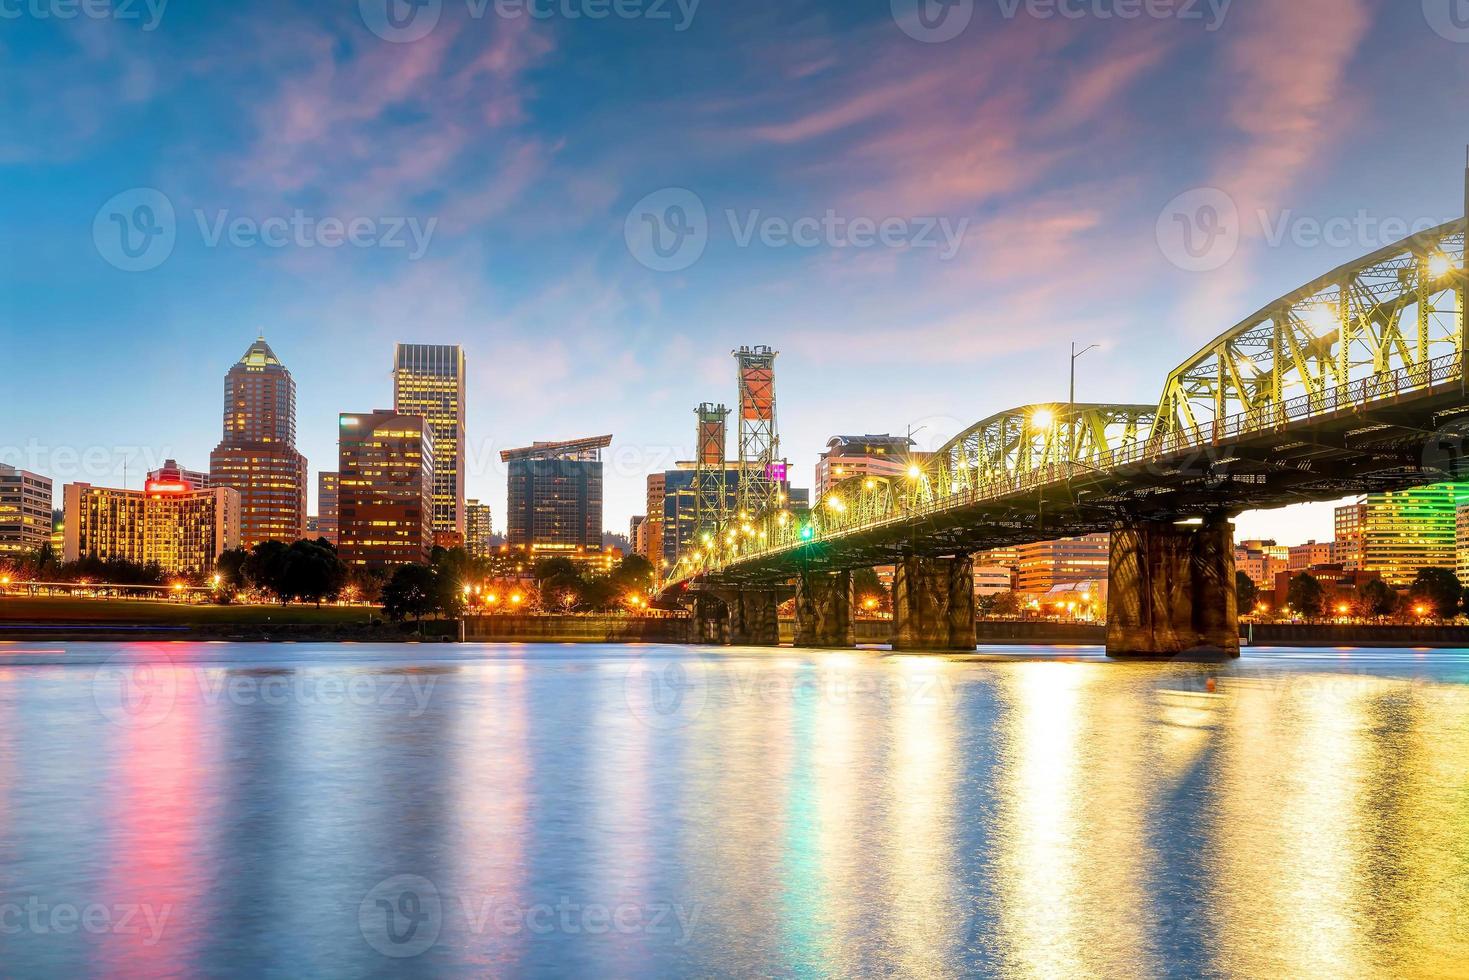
1398,308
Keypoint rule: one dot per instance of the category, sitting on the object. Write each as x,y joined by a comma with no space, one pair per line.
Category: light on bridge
1440,266
1043,420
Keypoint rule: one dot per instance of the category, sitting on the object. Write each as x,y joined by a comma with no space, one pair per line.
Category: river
463,810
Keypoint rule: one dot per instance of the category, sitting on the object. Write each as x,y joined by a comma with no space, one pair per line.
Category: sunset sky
527,152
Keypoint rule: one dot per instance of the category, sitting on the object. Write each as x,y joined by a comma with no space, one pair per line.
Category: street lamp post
1071,400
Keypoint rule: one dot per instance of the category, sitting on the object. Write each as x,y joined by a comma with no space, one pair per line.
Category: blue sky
528,152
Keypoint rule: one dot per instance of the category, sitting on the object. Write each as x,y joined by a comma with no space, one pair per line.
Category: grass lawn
62,609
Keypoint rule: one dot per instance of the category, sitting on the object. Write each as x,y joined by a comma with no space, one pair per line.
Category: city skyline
559,341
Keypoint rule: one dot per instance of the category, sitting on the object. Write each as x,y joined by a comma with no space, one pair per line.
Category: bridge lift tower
760,479
711,499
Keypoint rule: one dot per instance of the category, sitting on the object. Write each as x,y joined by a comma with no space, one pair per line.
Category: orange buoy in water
1210,684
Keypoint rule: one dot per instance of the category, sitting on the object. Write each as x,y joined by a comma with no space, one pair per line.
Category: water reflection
811,814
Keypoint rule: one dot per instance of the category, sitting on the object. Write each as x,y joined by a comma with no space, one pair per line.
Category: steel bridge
1353,383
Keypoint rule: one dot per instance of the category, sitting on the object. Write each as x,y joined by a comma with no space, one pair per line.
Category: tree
1004,604
633,574
1305,595
311,572
412,591
1378,599
266,566
1247,592
230,567
1439,589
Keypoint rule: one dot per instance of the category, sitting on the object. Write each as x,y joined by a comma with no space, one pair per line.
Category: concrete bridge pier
824,612
754,618
933,604
711,620
738,617
1171,591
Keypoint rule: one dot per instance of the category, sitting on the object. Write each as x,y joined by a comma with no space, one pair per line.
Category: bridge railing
1354,396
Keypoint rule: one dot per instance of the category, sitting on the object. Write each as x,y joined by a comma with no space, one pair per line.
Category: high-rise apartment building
25,511
653,531
1396,534
556,495
428,380
385,489
848,457
1404,531
479,538
171,524
258,456
326,505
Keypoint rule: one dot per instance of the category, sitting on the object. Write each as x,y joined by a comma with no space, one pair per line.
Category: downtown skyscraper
428,380
258,456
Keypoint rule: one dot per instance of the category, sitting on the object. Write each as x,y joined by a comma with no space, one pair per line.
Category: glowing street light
915,471
1043,419
1439,266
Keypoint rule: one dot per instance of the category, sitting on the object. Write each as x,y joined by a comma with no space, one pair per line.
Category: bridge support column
711,620
824,611
754,618
1171,591
933,604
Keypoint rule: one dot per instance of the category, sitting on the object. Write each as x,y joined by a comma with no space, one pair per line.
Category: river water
356,810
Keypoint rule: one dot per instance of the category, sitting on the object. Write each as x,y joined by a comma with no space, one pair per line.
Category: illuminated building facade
258,456
555,500
385,489
847,457
1046,564
479,525
169,524
25,511
1461,541
1405,531
172,472
653,529
428,380
326,505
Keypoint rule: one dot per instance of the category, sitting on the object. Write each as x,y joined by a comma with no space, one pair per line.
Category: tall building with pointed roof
257,455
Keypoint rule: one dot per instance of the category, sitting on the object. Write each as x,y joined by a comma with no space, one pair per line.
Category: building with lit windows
170,524
258,456
847,457
385,484
1396,534
479,529
428,380
172,472
653,529
1043,565
555,500
1304,556
1461,542
1261,561
326,505
25,511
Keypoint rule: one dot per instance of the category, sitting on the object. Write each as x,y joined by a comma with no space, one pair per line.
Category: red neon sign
155,486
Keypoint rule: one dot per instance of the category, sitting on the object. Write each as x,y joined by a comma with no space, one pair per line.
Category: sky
920,204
